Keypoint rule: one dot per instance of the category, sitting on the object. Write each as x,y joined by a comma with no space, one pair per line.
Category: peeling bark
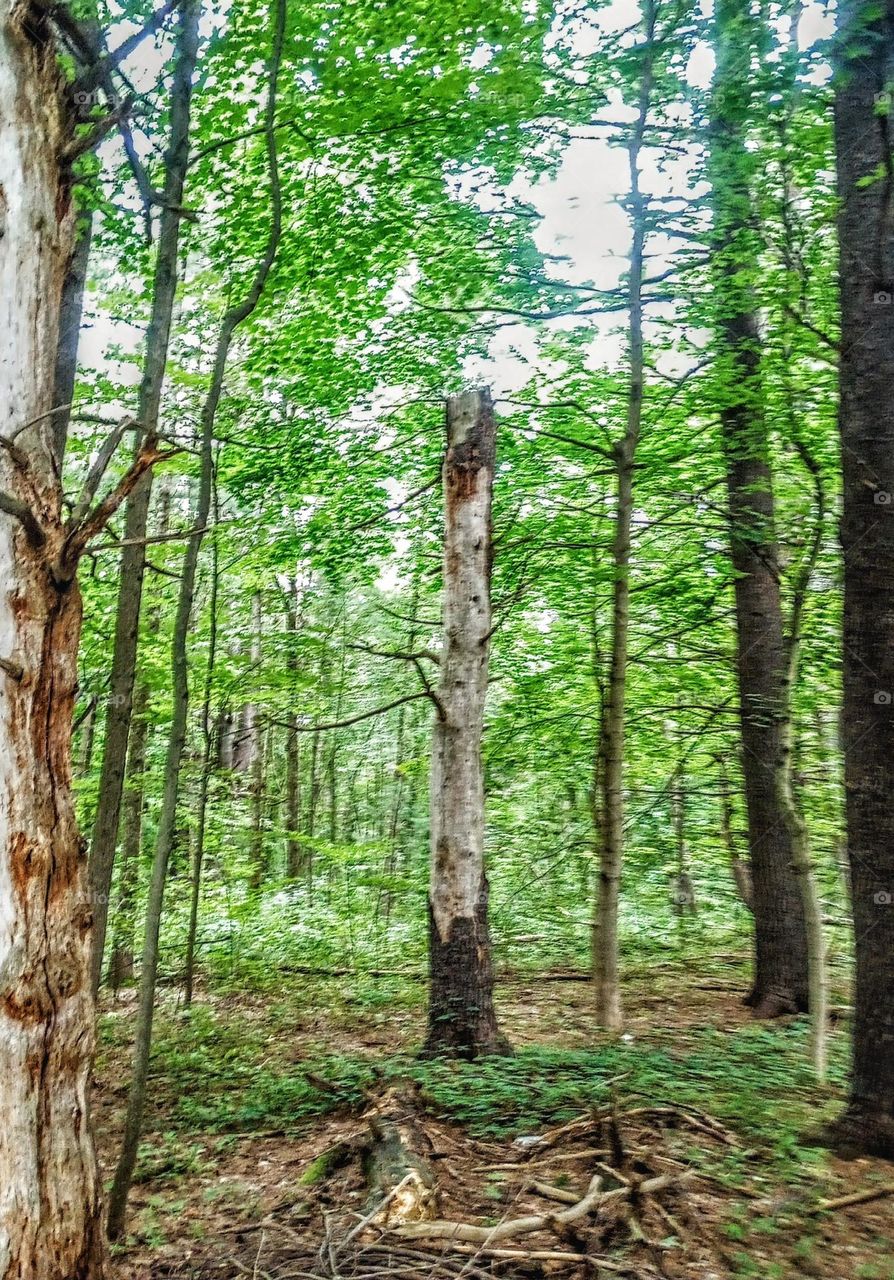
50,1194
461,1019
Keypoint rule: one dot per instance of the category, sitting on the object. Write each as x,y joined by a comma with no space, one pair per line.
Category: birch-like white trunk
50,1208
461,1012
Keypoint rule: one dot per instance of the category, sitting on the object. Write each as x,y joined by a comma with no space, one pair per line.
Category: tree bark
70,312
133,555
121,959
294,857
50,1192
863,136
461,1017
612,729
739,867
780,975
208,737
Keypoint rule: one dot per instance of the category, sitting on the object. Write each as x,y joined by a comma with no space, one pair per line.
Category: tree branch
20,511
365,715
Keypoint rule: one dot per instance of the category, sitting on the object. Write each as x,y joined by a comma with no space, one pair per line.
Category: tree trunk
88,737
294,858
863,144
780,977
70,312
739,867
208,738
121,959
461,1017
133,555
611,759
50,1192
180,673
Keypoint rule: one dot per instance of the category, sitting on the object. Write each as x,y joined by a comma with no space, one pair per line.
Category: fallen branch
551,1255
594,1200
505,1230
525,1166
856,1197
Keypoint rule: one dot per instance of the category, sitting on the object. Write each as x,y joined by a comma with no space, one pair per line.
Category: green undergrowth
218,1071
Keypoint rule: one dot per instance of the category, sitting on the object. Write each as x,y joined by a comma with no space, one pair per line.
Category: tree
235,315
781,969
610,771
863,113
50,1210
119,709
461,1017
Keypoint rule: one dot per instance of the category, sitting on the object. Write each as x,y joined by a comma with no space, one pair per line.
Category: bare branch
20,511
98,470
365,715
98,518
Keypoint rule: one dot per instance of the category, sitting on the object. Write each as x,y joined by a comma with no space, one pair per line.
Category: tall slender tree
235,315
119,708
781,967
610,769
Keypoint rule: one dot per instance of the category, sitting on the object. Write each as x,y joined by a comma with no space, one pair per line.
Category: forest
446,639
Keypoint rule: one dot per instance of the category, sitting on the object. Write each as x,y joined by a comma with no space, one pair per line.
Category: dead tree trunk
866,416
50,1192
780,974
133,555
461,1017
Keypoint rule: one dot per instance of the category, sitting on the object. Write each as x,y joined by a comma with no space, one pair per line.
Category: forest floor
248,1091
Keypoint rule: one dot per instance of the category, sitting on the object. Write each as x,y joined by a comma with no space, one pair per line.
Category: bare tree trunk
124,928
88,737
247,734
133,555
780,976
50,1191
180,670
605,938
70,312
866,416
294,853
739,867
208,736
461,1017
